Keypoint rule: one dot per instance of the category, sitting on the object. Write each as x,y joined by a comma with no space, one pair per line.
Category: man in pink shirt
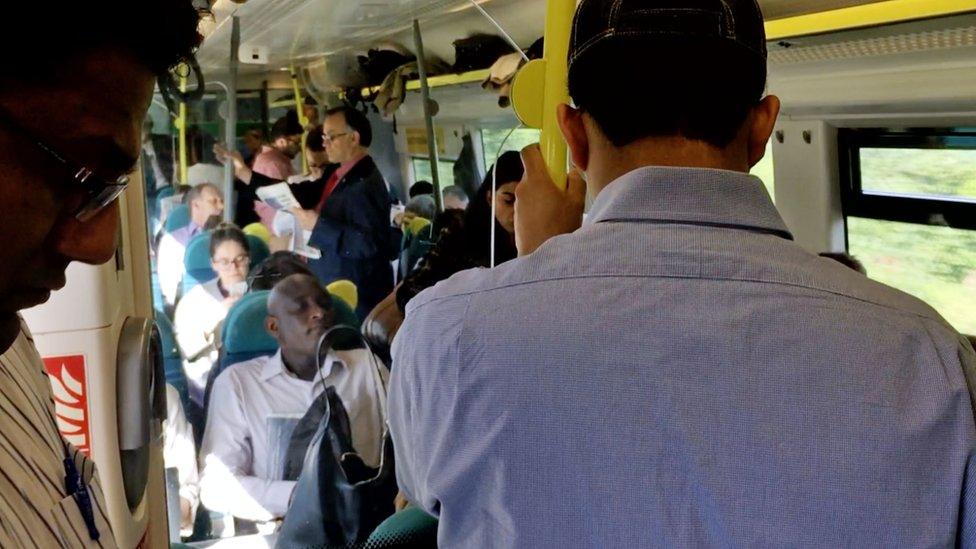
274,160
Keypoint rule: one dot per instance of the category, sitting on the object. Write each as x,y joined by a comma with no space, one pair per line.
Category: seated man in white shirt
255,405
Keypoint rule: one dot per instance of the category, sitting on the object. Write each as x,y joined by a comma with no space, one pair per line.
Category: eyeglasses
330,138
101,192
238,261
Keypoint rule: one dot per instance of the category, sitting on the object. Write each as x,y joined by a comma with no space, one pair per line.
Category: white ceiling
304,30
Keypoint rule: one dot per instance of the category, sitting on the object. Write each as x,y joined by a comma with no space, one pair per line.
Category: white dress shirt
169,259
180,452
197,322
253,408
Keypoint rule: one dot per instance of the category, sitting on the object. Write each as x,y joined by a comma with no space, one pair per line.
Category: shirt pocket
74,533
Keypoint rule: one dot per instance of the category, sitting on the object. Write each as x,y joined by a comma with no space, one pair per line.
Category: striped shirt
35,508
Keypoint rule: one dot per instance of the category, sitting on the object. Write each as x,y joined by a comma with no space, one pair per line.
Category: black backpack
479,51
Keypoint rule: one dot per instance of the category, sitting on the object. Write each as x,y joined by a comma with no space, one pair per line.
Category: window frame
934,211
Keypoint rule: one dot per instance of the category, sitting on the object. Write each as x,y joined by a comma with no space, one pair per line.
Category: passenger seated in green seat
201,312
255,405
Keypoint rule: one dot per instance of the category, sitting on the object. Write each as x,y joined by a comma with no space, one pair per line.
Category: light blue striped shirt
679,372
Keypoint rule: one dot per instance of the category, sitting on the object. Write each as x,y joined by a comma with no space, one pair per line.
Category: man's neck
360,154
663,153
303,368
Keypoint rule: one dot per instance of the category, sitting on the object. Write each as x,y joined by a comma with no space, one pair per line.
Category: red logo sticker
70,387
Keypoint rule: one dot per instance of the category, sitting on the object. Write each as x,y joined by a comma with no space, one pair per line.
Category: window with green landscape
445,171
493,139
949,173
935,263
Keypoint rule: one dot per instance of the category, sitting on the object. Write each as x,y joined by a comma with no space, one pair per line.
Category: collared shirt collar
347,167
689,195
275,366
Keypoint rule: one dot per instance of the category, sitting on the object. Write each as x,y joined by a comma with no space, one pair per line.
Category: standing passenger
677,372
75,99
274,160
351,224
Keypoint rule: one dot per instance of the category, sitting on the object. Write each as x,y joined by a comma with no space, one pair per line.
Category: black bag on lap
339,499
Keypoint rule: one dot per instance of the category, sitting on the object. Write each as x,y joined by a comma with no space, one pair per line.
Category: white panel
808,184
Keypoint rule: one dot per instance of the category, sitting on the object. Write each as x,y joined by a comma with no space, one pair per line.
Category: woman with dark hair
202,310
464,240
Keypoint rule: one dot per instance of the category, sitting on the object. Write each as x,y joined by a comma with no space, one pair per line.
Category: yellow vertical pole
301,115
181,126
559,24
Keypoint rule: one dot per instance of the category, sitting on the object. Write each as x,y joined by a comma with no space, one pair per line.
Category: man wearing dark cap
677,371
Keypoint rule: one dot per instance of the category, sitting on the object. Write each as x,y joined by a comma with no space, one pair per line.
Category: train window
910,207
421,170
764,170
941,173
495,144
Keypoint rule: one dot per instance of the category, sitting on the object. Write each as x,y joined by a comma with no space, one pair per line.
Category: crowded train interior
322,163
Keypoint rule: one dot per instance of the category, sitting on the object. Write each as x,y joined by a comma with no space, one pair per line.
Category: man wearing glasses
58,186
351,223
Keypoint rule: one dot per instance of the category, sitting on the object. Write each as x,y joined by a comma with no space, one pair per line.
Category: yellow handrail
868,15
181,126
559,24
302,119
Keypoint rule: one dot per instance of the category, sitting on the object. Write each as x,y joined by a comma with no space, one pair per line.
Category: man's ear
763,121
356,139
574,132
271,325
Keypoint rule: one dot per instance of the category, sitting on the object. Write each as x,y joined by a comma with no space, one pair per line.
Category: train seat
346,291
411,527
177,219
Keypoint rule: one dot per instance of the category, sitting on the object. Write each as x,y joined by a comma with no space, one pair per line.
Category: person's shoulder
241,372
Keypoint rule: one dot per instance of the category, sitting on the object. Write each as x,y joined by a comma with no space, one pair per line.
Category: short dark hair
698,89
228,232
420,187
315,141
277,267
286,126
165,35
356,121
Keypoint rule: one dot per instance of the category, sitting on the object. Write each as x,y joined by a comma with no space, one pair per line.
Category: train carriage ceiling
306,30
882,69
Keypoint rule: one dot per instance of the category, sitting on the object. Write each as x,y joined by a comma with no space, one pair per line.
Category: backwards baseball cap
723,31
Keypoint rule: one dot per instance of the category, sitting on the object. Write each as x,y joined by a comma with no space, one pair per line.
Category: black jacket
355,237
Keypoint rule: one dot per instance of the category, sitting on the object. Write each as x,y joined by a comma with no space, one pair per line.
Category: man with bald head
255,405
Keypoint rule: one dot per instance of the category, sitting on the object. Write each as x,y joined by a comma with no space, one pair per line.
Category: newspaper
286,224
279,197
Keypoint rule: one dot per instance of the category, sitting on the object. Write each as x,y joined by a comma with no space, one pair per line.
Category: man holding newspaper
347,234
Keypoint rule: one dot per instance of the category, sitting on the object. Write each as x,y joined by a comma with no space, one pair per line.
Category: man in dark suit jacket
351,224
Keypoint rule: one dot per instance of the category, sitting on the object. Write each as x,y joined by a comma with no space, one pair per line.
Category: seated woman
467,245
202,310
